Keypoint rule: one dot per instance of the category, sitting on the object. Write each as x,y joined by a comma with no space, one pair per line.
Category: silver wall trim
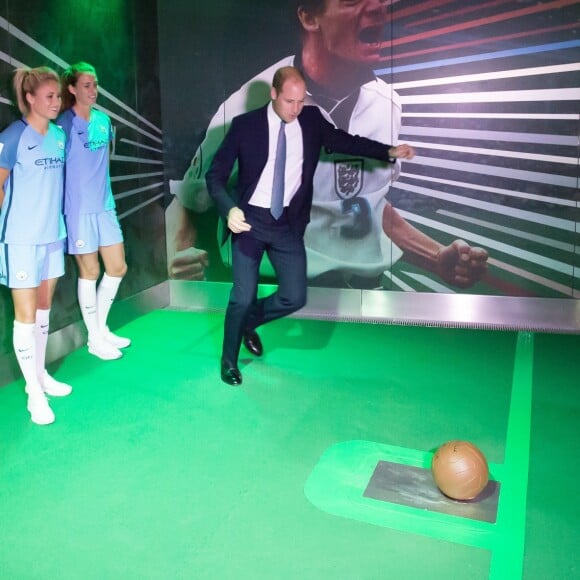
405,308
561,315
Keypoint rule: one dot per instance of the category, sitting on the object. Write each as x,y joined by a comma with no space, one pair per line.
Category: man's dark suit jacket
247,142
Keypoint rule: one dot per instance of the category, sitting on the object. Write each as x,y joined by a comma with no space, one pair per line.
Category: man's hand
237,221
402,152
188,264
461,264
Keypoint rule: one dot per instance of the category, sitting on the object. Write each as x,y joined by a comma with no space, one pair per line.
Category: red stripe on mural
469,9
481,22
481,41
419,7
507,288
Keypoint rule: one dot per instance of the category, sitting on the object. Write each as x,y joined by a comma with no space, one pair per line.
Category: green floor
156,469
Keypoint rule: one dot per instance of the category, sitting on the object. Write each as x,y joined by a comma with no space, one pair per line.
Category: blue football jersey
87,184
33,192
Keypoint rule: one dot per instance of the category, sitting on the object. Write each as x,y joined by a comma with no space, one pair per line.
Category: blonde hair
28,80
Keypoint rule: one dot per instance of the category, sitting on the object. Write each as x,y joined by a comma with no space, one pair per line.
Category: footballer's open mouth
372,34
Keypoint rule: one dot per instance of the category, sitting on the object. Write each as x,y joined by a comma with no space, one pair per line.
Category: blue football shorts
88,232
26,266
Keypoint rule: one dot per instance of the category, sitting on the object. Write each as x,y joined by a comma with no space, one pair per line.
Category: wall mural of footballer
488,96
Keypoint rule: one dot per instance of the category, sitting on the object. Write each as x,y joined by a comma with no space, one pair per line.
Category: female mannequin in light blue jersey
92,224
32,227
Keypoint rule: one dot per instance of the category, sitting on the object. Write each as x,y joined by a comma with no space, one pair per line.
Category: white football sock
41,339
25,348
87,293
49,384
24,343
106,293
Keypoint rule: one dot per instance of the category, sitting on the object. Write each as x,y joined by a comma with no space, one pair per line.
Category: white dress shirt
294,157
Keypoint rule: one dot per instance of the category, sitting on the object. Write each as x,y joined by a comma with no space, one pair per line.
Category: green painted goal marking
339,479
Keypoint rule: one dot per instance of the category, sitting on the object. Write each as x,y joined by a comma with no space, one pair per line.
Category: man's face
289,102
353,29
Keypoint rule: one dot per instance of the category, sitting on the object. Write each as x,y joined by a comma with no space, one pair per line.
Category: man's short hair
283,74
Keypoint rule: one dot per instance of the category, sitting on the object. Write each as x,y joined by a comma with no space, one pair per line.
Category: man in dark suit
253,141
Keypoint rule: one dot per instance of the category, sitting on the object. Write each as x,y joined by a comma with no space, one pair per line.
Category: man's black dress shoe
253,343
231,374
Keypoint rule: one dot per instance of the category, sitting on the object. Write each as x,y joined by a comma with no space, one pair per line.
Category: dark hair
70,77
311,6
27,80
306,9
283,74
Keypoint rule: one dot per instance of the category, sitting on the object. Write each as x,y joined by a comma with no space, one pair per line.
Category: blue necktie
277,204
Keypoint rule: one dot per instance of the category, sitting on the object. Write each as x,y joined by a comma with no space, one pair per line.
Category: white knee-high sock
87,293
41,339
25,350
24,340
106,293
